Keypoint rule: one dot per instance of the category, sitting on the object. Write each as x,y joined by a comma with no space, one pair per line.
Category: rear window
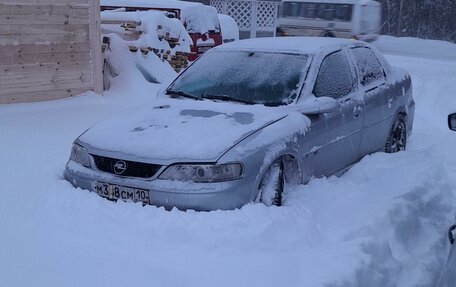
369,68
325,11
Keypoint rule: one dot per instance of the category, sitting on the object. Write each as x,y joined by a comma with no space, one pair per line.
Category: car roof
300,45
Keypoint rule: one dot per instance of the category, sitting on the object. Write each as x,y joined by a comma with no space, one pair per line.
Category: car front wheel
272,185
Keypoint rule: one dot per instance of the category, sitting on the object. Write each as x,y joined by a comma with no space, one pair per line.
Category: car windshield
267,78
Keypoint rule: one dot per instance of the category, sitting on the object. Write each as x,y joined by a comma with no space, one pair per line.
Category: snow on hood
178,130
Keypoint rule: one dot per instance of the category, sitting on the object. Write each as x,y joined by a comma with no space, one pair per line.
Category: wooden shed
49,49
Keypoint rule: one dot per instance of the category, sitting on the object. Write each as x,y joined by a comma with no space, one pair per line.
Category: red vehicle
200,21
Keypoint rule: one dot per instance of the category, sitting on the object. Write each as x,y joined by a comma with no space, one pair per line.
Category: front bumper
182,195
304,31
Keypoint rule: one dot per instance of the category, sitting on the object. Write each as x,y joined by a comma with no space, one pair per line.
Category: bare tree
430,19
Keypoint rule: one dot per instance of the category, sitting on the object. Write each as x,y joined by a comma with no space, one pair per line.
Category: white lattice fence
250,15
241,11
267,15
217,4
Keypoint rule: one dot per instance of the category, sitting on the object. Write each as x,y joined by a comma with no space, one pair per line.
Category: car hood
173,130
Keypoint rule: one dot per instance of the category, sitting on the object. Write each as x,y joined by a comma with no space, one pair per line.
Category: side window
334,78
369,68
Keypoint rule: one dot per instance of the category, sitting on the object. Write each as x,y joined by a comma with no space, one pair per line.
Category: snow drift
382,223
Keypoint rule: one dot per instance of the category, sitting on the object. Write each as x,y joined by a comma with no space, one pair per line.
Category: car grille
125,167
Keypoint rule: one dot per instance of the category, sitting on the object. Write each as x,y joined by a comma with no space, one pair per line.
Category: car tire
397,138
328,34
272,184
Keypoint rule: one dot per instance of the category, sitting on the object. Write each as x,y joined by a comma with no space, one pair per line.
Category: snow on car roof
304,45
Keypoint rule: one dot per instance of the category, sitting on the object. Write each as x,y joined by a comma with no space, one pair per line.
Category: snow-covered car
448,276
452,121
246,119
229,28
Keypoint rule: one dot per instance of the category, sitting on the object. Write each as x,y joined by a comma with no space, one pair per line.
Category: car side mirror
320,105
452,122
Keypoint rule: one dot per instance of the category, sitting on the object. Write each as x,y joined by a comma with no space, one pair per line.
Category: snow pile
229,28
383,223
155,30
131,70
155,27
200,19
196,17
416,47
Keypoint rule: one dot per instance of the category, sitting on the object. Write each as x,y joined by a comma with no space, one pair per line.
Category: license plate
112,191
202,49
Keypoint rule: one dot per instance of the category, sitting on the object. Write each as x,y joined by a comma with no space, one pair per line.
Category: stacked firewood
178,60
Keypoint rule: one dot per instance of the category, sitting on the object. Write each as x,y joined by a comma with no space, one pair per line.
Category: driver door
334,138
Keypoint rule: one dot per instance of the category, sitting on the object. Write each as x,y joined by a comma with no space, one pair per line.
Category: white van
357,19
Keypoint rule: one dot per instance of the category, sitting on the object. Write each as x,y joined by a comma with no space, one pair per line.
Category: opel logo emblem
120,167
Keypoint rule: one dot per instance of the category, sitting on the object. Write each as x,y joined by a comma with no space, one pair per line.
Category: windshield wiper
226,98
182,94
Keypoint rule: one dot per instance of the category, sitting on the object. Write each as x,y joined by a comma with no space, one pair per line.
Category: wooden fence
49,49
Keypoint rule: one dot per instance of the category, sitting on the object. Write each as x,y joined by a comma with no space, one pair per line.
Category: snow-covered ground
383,223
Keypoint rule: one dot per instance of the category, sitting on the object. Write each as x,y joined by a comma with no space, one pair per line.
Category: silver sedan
246,119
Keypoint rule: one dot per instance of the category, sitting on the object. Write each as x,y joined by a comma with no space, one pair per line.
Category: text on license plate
112,191
202,49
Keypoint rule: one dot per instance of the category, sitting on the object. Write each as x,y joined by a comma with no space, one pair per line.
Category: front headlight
203,172
80,155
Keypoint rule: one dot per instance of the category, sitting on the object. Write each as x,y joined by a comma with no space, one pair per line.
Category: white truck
357,19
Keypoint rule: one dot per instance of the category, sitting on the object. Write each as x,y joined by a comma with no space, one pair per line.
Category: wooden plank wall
49,49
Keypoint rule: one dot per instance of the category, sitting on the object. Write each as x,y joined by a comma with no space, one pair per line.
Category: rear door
377,99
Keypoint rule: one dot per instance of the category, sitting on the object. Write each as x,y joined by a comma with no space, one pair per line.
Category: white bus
357,19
